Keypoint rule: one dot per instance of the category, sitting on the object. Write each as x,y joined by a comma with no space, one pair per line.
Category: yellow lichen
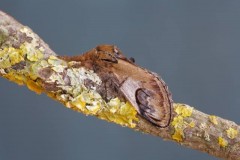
178,122
222,142
80,102
10,56
33,70
232,133
191,124
179,126
178,136
125,115
15,56
44,63
4,63
34,56
15,77
114,104
127,109
68,104
33,86
183,110
94,108
90,102
213,119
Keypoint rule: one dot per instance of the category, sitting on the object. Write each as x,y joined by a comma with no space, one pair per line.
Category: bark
78,84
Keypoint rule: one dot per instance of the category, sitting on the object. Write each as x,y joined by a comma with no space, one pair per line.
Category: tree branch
26,60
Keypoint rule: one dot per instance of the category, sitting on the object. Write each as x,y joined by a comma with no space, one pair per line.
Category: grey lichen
2,37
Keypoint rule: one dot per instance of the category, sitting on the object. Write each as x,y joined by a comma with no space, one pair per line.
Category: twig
26,60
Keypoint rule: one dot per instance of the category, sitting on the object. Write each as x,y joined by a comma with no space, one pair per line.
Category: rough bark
74,81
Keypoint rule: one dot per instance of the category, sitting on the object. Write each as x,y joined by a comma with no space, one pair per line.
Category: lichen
178,135
56,78
213,119
203,126
179,126
57,64
2,71
78,75
232,133
33,86
125,115
18,78
114,104
91,103
222,142
179,123
192,124
2,37
88,102
73,92
206,136
35,56
183,110
34,43
10,56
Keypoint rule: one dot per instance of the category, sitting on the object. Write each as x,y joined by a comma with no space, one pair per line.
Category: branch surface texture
101,89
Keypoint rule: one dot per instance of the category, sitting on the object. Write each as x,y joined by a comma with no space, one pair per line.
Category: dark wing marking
153,102
143,97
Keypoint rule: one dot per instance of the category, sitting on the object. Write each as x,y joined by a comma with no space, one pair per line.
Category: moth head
109,53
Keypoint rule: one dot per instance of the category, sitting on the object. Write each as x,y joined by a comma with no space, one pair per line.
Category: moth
121,77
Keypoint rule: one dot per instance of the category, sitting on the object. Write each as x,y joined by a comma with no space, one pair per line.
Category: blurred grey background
193,45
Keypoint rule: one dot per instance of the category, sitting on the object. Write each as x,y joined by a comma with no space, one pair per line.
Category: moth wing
150,100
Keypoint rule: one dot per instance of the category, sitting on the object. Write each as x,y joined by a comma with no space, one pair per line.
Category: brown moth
122,78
